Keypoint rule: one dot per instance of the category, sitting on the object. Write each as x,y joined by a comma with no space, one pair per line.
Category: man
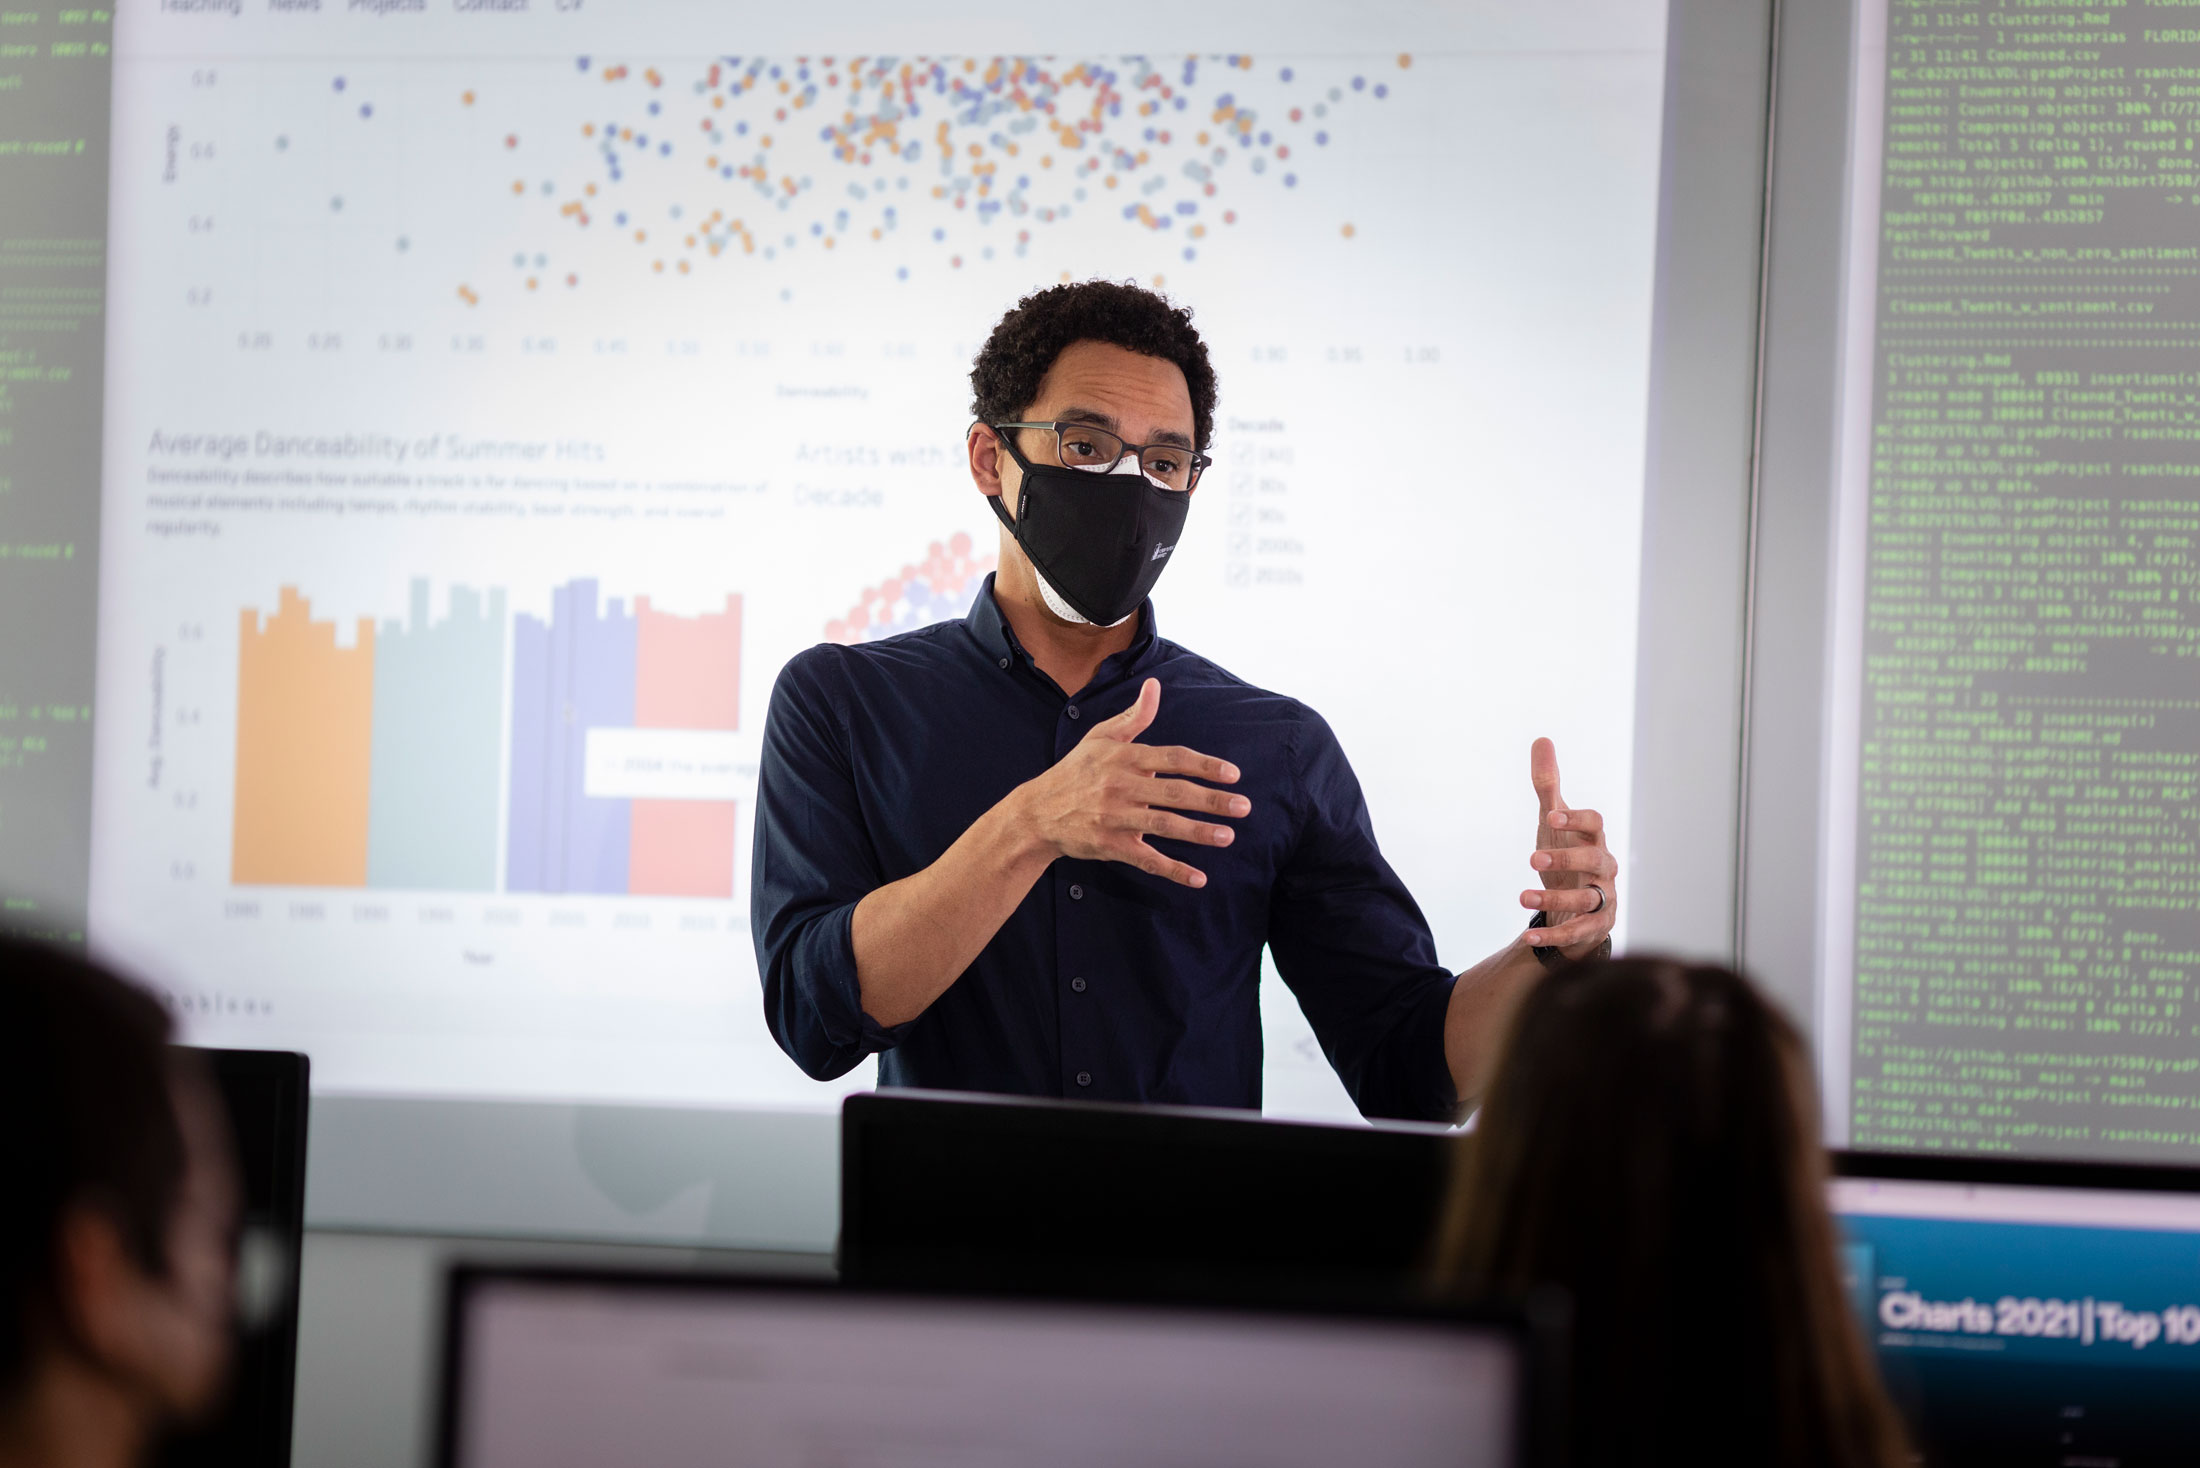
117,1220
1039,850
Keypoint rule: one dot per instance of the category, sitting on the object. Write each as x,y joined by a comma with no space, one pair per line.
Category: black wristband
1556,958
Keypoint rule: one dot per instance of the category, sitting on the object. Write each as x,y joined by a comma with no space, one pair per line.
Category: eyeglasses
1097,451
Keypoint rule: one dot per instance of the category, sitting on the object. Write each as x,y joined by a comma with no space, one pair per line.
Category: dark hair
89,1119
1649,1144
1005,379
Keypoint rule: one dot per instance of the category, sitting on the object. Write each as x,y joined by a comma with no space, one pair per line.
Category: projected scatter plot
940,588
928,161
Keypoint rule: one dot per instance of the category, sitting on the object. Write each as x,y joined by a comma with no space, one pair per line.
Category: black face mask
1100,540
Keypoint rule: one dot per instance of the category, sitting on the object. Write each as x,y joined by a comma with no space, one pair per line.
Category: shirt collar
998,639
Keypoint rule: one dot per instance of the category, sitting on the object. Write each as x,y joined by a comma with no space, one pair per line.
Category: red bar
687,675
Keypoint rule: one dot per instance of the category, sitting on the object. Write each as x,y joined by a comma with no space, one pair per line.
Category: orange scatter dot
1405,59
589,189
1348,231
1111,180
828,242
659,267
640,235
465,99
976,151
466,294
877,233
717,101
530,282
1202,140
518,187
683,267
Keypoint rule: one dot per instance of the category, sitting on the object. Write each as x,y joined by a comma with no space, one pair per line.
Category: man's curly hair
1004,381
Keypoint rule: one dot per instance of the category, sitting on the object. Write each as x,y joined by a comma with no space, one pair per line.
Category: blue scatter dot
1381,90
366,109
581,62
641,140
742,127
1290,180
1321,139
1265,140
1359,84
655,108
664,150
939,234
1190,253
1223,100
902,273
619,218
817,229
1186,206
726,171
339,84
1287,73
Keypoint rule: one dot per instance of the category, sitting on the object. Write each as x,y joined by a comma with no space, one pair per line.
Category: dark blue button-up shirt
1107,983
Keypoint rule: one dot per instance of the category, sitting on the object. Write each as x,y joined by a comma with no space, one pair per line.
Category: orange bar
305,723
687,675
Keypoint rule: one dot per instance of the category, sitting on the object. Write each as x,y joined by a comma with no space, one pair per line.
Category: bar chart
401,757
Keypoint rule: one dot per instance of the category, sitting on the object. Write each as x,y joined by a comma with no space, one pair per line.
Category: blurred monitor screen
2036,1319
662,1373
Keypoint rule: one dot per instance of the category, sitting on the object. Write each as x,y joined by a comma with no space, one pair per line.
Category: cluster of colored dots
776,155
942,587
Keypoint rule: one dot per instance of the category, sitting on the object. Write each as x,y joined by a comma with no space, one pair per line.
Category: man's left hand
1580,892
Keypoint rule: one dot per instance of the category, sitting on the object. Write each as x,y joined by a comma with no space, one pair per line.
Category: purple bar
574,674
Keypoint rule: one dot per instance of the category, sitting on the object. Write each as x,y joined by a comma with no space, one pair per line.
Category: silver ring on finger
1603,898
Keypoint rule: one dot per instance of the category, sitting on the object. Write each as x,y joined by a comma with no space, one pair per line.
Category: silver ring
1603,898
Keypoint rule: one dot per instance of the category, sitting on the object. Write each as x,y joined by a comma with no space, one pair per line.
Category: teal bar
438,735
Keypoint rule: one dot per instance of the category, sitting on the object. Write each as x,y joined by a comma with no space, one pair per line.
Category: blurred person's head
1650,1146
118,1214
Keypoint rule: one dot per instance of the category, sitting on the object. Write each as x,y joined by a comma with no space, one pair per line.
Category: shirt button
1076,893
1078,985
1072,712
1084,1078
1004,663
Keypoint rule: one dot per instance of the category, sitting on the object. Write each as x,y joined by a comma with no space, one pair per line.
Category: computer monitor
567,1370
952,1191
2030,1312
264,1096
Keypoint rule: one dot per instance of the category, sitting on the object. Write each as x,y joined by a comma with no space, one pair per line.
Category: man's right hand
1106,796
